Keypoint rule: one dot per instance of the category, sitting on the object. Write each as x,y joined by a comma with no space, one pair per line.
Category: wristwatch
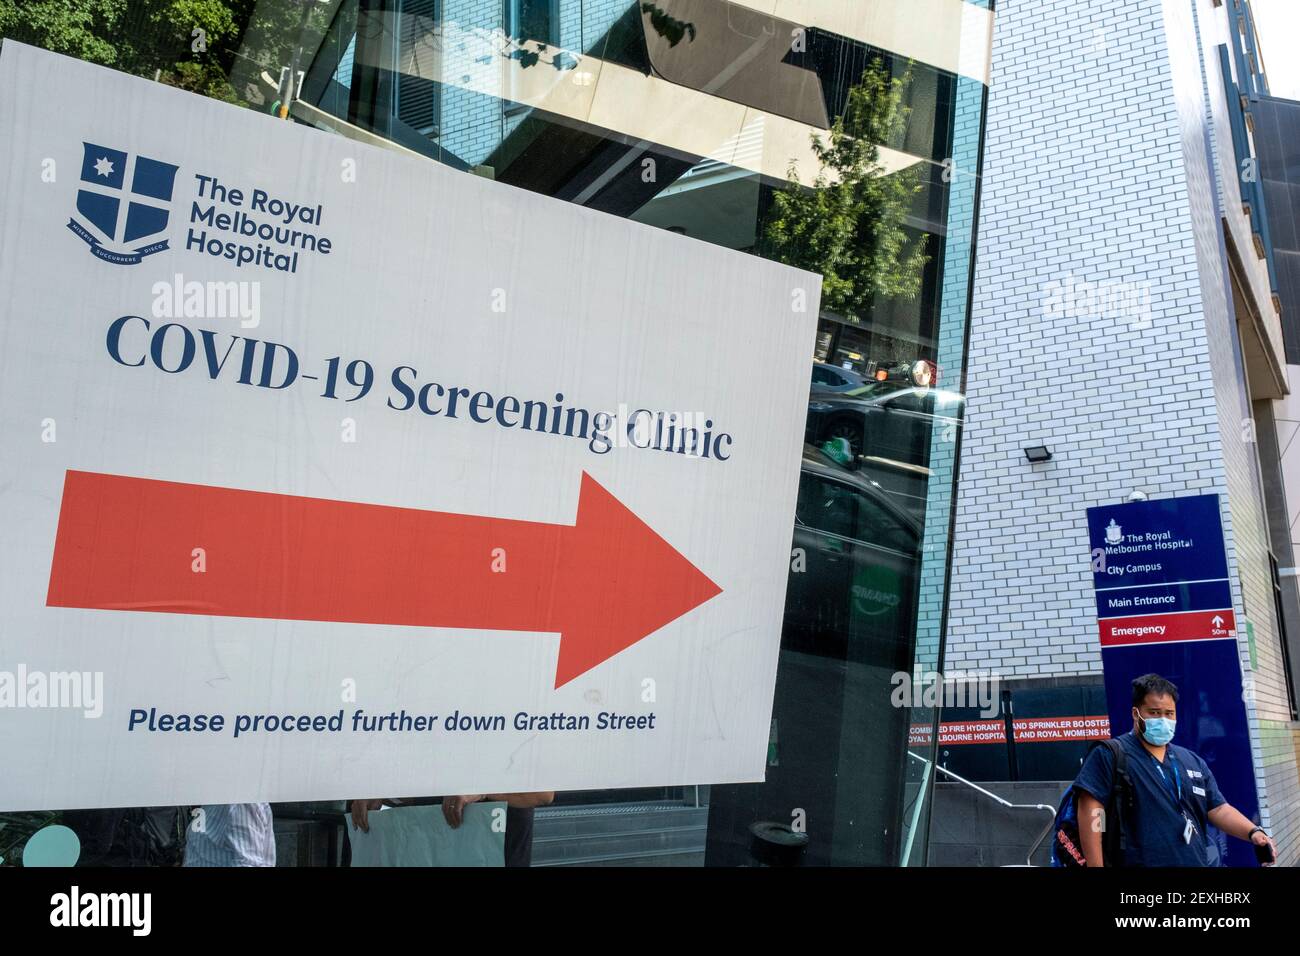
1254,831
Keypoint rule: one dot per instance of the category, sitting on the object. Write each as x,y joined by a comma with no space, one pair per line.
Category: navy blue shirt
1165,797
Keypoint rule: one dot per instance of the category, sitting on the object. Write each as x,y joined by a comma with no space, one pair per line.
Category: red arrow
604,583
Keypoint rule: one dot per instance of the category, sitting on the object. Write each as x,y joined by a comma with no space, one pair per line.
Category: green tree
186,43
850,225
80,28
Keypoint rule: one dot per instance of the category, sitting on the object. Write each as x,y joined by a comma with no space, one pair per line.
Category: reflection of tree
157,37
187,43
851,229
273,29
530,52
72,27
145,37
668,27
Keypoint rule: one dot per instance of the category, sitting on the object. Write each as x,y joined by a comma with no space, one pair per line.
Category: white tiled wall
1097,170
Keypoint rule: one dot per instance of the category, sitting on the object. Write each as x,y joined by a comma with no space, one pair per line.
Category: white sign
329,472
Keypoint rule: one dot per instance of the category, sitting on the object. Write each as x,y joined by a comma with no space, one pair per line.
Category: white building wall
1097,177
1194,28
1082,185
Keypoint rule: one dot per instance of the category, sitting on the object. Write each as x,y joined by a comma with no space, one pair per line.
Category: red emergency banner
1164,628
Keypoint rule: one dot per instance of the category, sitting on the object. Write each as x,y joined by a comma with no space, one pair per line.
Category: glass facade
849,146
1277,141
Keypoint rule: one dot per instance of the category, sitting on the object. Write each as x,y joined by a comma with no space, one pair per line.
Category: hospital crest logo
122,204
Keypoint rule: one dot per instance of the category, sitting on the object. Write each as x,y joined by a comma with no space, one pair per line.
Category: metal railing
1033,848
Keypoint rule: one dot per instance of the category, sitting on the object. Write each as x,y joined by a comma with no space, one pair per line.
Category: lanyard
1178,779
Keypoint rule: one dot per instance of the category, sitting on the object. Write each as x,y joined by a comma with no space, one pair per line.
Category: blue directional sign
1158,542
1164,606
1154,598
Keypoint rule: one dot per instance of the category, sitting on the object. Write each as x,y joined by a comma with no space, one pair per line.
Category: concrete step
620,835
615,817
694,858
968,828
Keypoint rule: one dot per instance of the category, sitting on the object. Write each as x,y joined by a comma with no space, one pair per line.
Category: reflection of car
883,421
832,378
838,742
853,578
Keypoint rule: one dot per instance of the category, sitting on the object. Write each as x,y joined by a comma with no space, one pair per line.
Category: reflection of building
688,115
1127,316
1276,134
638,116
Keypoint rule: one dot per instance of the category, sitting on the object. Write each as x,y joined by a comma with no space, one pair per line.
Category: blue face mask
1158,731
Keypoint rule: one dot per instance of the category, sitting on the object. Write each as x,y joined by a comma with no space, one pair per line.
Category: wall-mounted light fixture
1038,454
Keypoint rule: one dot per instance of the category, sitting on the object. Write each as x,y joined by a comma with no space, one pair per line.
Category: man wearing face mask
1174,795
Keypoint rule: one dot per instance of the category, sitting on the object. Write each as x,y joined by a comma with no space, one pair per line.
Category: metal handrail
916,809
1033,848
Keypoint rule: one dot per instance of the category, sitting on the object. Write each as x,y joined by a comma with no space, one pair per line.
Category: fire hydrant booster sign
330,472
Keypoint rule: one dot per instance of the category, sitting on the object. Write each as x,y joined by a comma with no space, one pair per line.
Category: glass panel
830,151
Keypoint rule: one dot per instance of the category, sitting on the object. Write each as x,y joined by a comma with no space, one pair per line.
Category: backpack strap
1121,797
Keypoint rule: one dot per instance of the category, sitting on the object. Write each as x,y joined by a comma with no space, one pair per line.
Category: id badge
1188,830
